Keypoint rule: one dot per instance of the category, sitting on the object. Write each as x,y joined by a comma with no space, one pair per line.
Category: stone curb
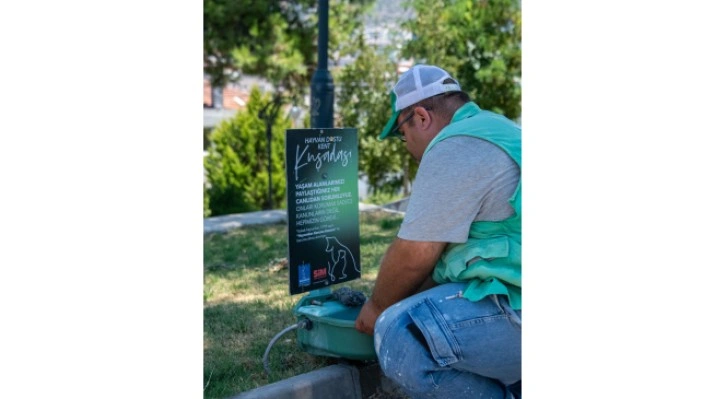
332,382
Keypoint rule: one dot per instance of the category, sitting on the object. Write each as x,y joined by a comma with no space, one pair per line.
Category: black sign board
322,207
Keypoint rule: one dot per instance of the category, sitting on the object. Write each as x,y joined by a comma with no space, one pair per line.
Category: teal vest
491,259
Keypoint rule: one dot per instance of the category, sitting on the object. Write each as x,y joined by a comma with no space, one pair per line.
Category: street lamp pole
322,87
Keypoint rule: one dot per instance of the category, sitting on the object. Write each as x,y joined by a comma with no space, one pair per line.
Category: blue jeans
437,344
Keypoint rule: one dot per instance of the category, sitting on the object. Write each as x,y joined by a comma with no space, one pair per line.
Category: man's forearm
405,268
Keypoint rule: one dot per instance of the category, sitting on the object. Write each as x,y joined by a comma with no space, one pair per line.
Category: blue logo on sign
303,275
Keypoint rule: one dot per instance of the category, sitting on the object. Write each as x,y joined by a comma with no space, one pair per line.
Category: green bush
207,211
383,197
236,164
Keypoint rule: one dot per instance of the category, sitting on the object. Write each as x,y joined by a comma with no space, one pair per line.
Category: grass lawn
246,303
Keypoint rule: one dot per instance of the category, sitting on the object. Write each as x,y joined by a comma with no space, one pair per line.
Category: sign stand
324,237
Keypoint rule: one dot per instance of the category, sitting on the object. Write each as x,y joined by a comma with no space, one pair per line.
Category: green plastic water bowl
332,331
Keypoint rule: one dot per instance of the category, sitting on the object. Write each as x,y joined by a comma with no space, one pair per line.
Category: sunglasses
397,131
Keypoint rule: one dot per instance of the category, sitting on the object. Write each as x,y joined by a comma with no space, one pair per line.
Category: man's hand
367,318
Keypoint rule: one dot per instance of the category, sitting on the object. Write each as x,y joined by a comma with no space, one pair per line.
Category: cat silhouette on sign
340,258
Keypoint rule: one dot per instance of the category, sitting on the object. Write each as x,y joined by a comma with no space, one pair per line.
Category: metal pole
322,89
269,113
269,163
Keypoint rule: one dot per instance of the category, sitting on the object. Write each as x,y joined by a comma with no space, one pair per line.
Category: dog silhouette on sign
340,258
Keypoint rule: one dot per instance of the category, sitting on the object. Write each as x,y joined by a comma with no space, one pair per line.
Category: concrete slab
224,223
221,224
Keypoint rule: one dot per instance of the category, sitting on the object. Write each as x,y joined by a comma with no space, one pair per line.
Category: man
445,311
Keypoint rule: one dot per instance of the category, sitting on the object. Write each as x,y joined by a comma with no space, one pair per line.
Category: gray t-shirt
461,180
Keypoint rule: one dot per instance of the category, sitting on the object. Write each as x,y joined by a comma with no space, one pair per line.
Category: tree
272,39
276,40
364,102
236,167
478,42
345,22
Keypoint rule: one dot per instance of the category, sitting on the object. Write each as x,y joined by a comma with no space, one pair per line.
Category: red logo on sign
320,274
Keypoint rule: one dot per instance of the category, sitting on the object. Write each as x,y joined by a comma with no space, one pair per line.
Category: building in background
223,103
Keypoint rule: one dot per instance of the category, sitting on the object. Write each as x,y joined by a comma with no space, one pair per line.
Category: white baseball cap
418,83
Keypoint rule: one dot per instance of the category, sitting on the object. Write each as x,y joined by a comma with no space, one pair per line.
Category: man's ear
423,117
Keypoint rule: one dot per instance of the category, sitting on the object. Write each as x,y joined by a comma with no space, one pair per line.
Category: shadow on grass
253,247
258,247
